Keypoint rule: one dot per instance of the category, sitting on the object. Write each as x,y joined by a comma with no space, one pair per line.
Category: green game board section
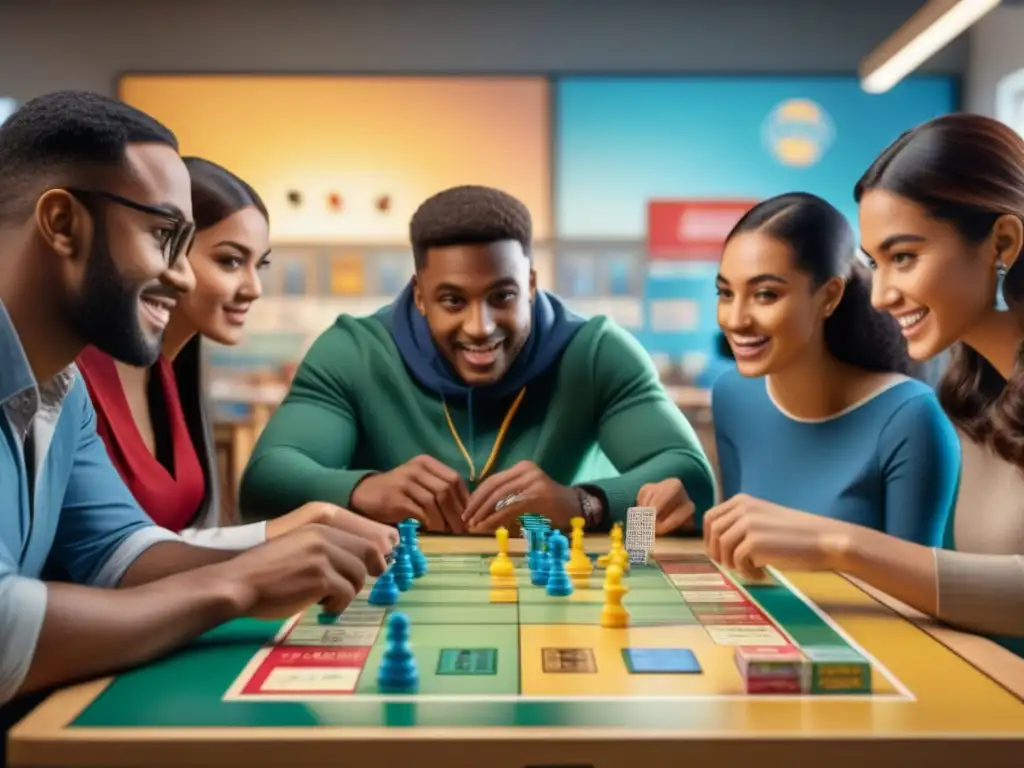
450,610
431,640
795,616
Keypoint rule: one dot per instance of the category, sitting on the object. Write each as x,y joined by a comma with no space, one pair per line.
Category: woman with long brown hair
942,226
154,421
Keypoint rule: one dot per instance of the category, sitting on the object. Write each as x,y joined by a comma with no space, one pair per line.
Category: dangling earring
1000,303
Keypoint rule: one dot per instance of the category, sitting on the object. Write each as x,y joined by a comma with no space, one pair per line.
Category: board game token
613,614
559,584
384,591
408,530
402,568
539,574
398,672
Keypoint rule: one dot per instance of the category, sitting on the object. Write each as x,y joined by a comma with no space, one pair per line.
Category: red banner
691,230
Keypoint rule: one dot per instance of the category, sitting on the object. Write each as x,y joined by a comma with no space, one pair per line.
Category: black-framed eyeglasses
180,236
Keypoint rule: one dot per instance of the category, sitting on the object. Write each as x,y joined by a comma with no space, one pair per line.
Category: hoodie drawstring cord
497,442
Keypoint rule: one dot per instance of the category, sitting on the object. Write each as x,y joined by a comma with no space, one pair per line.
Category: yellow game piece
618,556
620,559
614,614
579,564
613,536
501,566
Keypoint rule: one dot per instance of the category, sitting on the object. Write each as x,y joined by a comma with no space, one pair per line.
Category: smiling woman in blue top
820,414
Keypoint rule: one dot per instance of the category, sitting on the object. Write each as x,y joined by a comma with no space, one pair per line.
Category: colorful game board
806,668
694,631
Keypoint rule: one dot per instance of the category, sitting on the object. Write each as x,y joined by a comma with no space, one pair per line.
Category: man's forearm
88,632
168,558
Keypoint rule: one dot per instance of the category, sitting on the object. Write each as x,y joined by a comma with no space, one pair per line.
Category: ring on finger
508,501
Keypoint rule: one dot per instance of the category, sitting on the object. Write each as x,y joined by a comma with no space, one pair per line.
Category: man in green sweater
475,397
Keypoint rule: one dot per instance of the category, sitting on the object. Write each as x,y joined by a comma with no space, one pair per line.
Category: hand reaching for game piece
314,564
384,537
746,534
423,488
523,488
672,502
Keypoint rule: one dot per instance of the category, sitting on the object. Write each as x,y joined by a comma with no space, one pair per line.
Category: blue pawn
539,576
402,567
548,535
397,672
559,584
535,538
408,530
384,591
540,567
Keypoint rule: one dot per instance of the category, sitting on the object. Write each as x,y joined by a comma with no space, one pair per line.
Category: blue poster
622,141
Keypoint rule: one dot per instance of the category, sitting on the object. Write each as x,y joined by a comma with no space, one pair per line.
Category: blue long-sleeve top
890,462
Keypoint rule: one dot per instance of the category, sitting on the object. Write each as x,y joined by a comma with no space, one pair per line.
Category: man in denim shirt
95,223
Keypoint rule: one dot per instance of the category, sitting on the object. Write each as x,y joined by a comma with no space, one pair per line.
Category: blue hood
553,328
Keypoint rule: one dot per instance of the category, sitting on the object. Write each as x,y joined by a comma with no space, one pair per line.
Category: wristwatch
592,512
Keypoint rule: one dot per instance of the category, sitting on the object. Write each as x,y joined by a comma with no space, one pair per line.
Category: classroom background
637,133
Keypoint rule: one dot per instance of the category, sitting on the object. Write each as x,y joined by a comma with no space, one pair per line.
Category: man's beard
106,312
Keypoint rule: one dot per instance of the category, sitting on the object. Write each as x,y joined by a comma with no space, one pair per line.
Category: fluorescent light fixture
923,35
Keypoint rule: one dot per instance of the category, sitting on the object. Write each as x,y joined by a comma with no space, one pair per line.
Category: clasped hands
435,495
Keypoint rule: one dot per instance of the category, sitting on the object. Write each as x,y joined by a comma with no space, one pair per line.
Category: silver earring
1000,302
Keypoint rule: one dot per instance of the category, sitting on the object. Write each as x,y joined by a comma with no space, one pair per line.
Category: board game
671,660
481,625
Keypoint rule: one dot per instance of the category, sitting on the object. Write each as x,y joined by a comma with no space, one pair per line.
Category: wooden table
941,697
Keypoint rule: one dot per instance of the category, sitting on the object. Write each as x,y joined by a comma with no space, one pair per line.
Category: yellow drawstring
497,443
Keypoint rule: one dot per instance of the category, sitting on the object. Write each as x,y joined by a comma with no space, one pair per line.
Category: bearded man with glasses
95,222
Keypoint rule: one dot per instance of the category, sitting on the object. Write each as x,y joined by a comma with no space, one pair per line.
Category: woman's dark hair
217,193
823,246
967,170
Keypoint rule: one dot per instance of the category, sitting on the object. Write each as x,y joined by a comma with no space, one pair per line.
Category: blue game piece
384,591
535,539
549,533
402,567
539,574
408,530
661,661
398,672
559,583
